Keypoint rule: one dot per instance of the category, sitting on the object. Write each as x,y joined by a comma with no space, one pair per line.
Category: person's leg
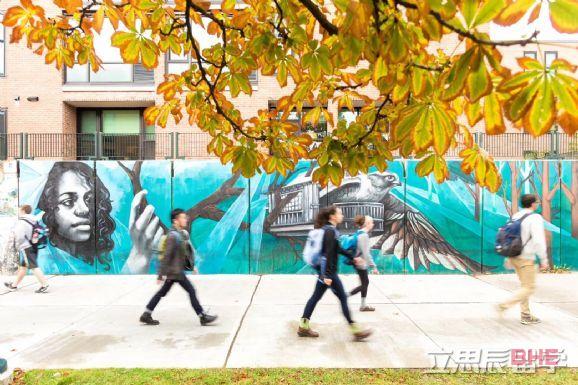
20,275
40,277
364,277
159,294
526,284
188,286
339,291
320,289
304,326
527,276
360,287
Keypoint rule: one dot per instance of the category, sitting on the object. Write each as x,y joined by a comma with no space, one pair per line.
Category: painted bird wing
409,234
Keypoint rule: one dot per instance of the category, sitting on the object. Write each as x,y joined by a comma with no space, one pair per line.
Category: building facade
79,114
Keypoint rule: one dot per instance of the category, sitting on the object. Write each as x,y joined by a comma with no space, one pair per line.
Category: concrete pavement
92,321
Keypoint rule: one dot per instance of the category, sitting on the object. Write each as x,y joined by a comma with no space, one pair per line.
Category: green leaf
479,82
520,104
488,11
564,15
422,136
425,166
456,79
542,113
493,115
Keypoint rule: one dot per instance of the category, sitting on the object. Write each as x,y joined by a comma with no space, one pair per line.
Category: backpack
509,238
349,242
38,234
313,248
162,248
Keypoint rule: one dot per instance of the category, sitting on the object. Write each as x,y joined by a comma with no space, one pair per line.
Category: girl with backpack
363,260
328,219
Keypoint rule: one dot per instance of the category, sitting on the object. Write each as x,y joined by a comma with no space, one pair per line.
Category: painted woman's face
73,214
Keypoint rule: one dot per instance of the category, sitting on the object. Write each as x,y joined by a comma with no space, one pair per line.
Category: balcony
134,146
102,146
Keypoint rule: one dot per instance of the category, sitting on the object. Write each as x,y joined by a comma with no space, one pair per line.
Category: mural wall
107,217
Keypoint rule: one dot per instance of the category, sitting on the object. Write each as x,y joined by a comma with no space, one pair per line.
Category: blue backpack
509,238
349,242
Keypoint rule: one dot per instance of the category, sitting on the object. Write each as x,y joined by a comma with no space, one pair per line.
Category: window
296,204
532,54
2,121
319,130
113,69
549,57
124,133
3,135
176,64
348,115
2,47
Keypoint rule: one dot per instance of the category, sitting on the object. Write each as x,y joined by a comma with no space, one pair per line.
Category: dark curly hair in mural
77,208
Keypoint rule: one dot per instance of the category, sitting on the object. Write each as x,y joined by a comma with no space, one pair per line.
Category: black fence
98,146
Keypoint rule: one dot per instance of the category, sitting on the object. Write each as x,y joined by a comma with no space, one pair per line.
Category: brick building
78,114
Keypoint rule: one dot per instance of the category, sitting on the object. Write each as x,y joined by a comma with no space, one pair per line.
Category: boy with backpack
363,260
29,236
177,257
520,241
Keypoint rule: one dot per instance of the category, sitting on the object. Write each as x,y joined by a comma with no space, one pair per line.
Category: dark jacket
330,252
178,255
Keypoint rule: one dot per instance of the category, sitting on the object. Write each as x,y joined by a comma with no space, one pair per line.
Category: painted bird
407,233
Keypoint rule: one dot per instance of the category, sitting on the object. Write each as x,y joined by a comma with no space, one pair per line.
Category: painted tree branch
134,176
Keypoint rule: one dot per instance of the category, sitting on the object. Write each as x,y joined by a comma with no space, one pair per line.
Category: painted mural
106,217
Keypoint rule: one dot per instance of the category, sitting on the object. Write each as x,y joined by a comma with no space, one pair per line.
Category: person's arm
330,246
363,243
538,234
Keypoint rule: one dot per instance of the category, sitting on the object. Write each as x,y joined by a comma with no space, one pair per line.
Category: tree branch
320,17
439,18
204,75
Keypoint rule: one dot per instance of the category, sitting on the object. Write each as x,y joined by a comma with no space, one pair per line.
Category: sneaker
359,334
530,320
307,332
147,319
9,286
42,289
207,319
366,308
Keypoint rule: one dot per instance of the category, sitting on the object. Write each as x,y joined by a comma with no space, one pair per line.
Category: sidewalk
92,321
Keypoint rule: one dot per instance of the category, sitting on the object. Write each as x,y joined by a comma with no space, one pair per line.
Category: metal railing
129,146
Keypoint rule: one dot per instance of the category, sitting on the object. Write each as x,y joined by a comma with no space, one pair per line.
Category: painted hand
328,281
508,264
145,232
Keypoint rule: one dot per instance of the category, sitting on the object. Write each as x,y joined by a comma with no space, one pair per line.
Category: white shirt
533,236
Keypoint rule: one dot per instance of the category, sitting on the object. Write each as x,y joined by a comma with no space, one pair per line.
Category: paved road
92,321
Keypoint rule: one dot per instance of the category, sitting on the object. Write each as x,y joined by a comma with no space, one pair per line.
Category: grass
285,377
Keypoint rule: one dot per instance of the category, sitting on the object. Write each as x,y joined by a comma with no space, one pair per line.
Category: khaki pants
526,271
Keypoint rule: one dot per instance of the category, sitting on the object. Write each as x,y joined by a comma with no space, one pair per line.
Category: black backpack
38,233
509,238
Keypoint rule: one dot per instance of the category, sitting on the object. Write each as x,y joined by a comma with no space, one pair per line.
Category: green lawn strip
286,377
